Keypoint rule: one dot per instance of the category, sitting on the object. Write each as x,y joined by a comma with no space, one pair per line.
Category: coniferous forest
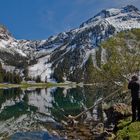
9,77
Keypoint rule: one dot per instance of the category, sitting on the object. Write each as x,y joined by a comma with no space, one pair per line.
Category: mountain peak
107,13
4,33
115,13
130,8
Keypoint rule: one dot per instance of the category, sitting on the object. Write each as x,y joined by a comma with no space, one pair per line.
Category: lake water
44,109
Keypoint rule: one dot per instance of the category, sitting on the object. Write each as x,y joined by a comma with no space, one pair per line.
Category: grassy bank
128,130
34,85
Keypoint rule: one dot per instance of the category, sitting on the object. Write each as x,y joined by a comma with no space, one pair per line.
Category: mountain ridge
66,53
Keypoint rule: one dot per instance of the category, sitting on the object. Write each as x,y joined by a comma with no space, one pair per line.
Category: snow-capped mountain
62,57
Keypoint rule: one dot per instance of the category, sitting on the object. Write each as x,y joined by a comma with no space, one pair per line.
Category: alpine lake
37,114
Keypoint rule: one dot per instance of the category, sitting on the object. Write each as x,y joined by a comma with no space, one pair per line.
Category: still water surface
44,109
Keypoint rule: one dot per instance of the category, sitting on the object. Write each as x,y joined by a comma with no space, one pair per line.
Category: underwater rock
40,135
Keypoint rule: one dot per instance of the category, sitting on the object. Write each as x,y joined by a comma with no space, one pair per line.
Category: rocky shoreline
96,130
117,126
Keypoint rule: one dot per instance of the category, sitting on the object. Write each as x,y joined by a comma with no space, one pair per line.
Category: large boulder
117,112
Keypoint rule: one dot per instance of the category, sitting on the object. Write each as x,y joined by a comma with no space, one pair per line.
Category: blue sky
39,19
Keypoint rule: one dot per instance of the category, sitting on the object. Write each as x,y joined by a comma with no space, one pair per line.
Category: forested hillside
9,77
117,59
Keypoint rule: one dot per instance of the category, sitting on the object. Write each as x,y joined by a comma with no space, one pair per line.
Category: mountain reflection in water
43,109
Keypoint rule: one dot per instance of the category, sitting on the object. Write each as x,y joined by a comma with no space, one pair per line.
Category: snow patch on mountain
88,53
74,46
42,68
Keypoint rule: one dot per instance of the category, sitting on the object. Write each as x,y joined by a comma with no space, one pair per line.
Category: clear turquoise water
43,109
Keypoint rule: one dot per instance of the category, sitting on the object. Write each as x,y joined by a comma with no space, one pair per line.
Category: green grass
128,130
8,85
33,85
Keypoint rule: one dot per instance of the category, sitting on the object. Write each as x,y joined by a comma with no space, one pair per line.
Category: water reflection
24,110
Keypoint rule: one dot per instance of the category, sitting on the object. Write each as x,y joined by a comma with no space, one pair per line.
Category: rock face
63,56
117,112
114,114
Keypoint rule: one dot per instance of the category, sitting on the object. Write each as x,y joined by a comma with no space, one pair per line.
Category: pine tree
25,72
17,78
1,73
89,70
38,79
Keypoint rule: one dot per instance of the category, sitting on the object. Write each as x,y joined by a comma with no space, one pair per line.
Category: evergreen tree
89,70
17,78
1,73
11,78
46,79
38,79
25,72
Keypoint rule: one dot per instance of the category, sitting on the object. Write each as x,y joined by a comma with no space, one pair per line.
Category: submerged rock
99,128
35,136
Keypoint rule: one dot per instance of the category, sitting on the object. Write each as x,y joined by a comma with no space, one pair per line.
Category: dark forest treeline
9,77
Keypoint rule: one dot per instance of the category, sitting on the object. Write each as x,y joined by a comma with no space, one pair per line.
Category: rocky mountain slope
63,57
